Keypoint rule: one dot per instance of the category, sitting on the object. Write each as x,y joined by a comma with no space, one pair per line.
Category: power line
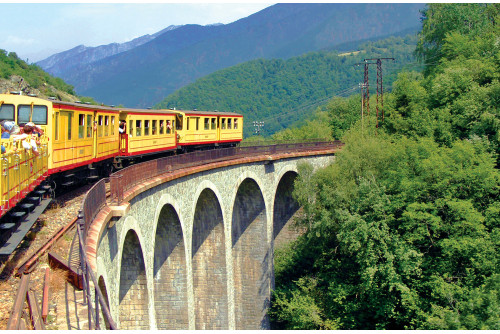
339,93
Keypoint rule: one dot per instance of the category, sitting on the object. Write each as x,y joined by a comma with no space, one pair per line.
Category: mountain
81,55
147,73
282,92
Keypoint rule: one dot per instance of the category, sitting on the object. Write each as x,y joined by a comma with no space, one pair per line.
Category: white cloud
18,41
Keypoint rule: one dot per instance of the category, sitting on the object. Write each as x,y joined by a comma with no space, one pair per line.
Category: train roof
208,113
86,105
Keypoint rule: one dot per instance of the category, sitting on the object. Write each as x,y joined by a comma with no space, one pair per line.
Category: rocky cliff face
16,83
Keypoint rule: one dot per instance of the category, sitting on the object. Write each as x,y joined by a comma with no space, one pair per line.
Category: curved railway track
54,231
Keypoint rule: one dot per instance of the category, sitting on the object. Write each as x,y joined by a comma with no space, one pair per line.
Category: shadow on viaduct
196,252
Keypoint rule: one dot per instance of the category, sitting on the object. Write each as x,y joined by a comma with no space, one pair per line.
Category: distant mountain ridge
61,62
145,74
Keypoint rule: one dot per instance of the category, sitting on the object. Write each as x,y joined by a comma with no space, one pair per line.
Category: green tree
396,230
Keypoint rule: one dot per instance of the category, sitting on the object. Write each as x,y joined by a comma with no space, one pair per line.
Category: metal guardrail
87,276
94,201
129,177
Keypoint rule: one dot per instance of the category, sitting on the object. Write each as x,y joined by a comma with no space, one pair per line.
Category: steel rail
33,259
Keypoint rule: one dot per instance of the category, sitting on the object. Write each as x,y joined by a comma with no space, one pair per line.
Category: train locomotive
83,141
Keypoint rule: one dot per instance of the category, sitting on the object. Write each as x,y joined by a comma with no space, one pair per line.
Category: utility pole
257,125
361,86
380,86
366,95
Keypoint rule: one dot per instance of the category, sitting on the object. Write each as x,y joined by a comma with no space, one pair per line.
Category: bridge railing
94,201
88,277
129,177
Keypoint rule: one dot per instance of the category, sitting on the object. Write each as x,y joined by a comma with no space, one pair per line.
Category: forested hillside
403,230
281,92
16,75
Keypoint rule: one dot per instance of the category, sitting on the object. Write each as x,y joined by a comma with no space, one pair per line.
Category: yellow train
87,141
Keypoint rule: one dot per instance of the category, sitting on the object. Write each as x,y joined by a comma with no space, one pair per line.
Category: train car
22,170
208,129
231,128
84,142
82,136
146,132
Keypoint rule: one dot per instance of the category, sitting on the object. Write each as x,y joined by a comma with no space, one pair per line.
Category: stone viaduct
195,250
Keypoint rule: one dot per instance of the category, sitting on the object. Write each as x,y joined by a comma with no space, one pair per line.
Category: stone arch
169,272
250,257
209,263
104,291
285,206
133,293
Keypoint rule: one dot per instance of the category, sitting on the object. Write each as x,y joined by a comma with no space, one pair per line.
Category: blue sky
37,30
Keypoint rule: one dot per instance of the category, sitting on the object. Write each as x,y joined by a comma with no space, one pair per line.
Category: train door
84,142
66,139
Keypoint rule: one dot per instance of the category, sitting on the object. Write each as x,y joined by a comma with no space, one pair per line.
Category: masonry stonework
196,252
133,294
170,275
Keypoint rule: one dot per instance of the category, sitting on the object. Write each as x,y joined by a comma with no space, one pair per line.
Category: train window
106,125
161,126
131,127
235,123
229,123
223,124
179,124
169,127
81,125
69,125
89,126
138,128
23,114
197,123
173,125
112,125
214,123
207,125
39,115
187,123
99,126
146,127
7,112
154,127
57,127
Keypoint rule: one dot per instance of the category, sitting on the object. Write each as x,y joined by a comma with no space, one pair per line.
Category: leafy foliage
400,235
403,231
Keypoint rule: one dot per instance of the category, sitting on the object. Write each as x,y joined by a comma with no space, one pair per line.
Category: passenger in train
9,128
30,135
169,127
122,128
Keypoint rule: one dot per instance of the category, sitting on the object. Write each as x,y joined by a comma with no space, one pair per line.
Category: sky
35,31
